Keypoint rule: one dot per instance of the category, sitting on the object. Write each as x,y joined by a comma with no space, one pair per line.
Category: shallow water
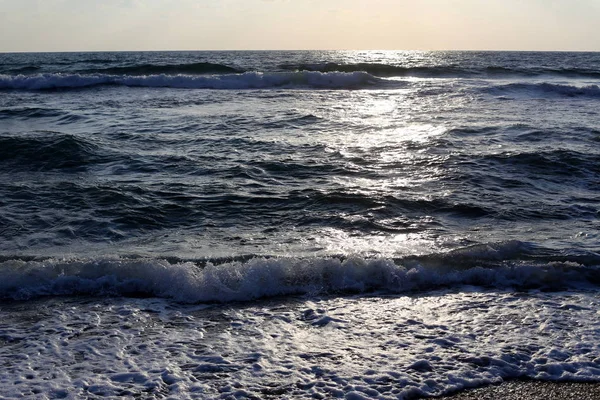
319,347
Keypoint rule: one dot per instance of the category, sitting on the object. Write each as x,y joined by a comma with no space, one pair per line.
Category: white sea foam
390,347
247,80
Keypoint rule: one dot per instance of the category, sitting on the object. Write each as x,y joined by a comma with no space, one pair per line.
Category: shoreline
522,389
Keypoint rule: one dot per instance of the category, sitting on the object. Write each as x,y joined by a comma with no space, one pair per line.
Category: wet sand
531,390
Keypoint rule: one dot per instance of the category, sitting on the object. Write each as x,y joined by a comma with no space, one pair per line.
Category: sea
297,224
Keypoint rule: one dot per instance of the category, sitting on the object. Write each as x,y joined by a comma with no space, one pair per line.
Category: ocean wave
544,89
558,162
29,112
381,69
246,280
103,58
29,69
47,150
201,68
542,71
443,71
247,80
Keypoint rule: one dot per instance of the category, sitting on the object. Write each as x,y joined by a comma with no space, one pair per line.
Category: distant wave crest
247,80
443,71
545,89
384,70
168,69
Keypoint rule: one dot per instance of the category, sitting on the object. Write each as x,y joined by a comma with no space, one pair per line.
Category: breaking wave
259,277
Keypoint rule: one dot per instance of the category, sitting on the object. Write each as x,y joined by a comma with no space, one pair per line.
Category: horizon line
297,50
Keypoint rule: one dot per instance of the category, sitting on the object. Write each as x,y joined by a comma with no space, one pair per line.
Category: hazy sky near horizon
79,25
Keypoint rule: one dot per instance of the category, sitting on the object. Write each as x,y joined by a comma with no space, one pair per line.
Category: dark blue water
221,176
298,153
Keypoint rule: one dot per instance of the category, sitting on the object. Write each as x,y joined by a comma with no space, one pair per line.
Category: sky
103,25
